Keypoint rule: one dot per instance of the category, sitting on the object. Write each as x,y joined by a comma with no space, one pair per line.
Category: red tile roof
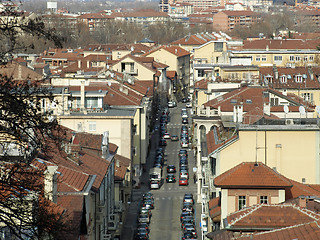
251,175
213,144
214,207
256,94
305,231
267,217
121,167
202,84
240,13
255,115
275,44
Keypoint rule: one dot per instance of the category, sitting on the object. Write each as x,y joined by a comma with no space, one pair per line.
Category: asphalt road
165,221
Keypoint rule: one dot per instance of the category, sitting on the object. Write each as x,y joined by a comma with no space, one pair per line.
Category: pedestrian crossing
169,198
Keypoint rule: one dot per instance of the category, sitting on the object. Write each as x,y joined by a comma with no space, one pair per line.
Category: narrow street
168,200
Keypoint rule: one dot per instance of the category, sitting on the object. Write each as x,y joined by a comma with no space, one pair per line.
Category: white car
189,105
172,104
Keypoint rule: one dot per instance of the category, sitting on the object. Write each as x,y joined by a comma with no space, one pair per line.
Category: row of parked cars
187,218
145,214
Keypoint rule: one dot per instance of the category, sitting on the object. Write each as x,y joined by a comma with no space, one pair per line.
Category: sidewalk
130,223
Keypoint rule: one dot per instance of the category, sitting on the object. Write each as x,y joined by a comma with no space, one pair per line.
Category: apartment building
228,20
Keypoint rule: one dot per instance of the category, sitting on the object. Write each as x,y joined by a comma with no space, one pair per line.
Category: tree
25,131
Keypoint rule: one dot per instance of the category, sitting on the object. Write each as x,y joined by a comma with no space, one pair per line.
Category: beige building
281,53
177,59
291,150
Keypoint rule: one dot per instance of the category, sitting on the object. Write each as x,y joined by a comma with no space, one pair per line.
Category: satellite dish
112,75
289,76
302,110
318,109
286,109
132,48
109,84
129,80
107,66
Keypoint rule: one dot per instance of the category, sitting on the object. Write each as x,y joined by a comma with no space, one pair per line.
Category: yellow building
291,150
281,53
210,52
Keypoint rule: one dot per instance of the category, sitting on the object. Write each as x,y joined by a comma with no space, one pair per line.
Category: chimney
105,144
117,163
266,109
50,183
79,63
275,72
82,95
240,113
88,64
302,202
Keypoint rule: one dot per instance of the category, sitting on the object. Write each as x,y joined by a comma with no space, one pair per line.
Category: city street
165,222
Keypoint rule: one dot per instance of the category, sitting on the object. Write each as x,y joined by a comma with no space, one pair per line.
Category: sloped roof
251,175
214,208
270,216
240,13
289,75
202,84
175,50
252,97
19,72
276,44
305,231
121,167
255,115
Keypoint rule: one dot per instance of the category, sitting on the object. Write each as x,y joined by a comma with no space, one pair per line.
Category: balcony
207,112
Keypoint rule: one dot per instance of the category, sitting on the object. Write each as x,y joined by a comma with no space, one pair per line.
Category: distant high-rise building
52,7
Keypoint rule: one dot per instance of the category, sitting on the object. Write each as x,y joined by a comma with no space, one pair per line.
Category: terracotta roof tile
256,114
249,175
202,84
305,231
275,44
121,167
271,216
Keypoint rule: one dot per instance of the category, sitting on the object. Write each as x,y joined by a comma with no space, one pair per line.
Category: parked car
183,152
174,138
184,120
189,105
144,218
144,225
184,174
184,214
162,142
143,210
188,236
184,100
171,169
183,181
148,204
166,135
188,207
171,178
188,197
187,220
141,234
172,104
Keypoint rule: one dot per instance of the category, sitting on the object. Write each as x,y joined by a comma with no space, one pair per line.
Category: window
264,58
283,79
218,46
278,58
79,127
308,97
242,202
263,199
258,58
92,126
91,102
291,58
274,101
200,72
131,67
298,58
311,58
305,58
298,78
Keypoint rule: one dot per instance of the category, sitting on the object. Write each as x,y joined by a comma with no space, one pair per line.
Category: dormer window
283,79
298,78
268,79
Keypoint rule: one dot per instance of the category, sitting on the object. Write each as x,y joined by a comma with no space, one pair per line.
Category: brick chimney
105,145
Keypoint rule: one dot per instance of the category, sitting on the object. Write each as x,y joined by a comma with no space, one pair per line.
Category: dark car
141,234
184,120
162,142
148,195
144,225
174,138
187,207
171,178
148,204
185,214
184,100
188,197
188,236
183,152
171,169
183,168
187,221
